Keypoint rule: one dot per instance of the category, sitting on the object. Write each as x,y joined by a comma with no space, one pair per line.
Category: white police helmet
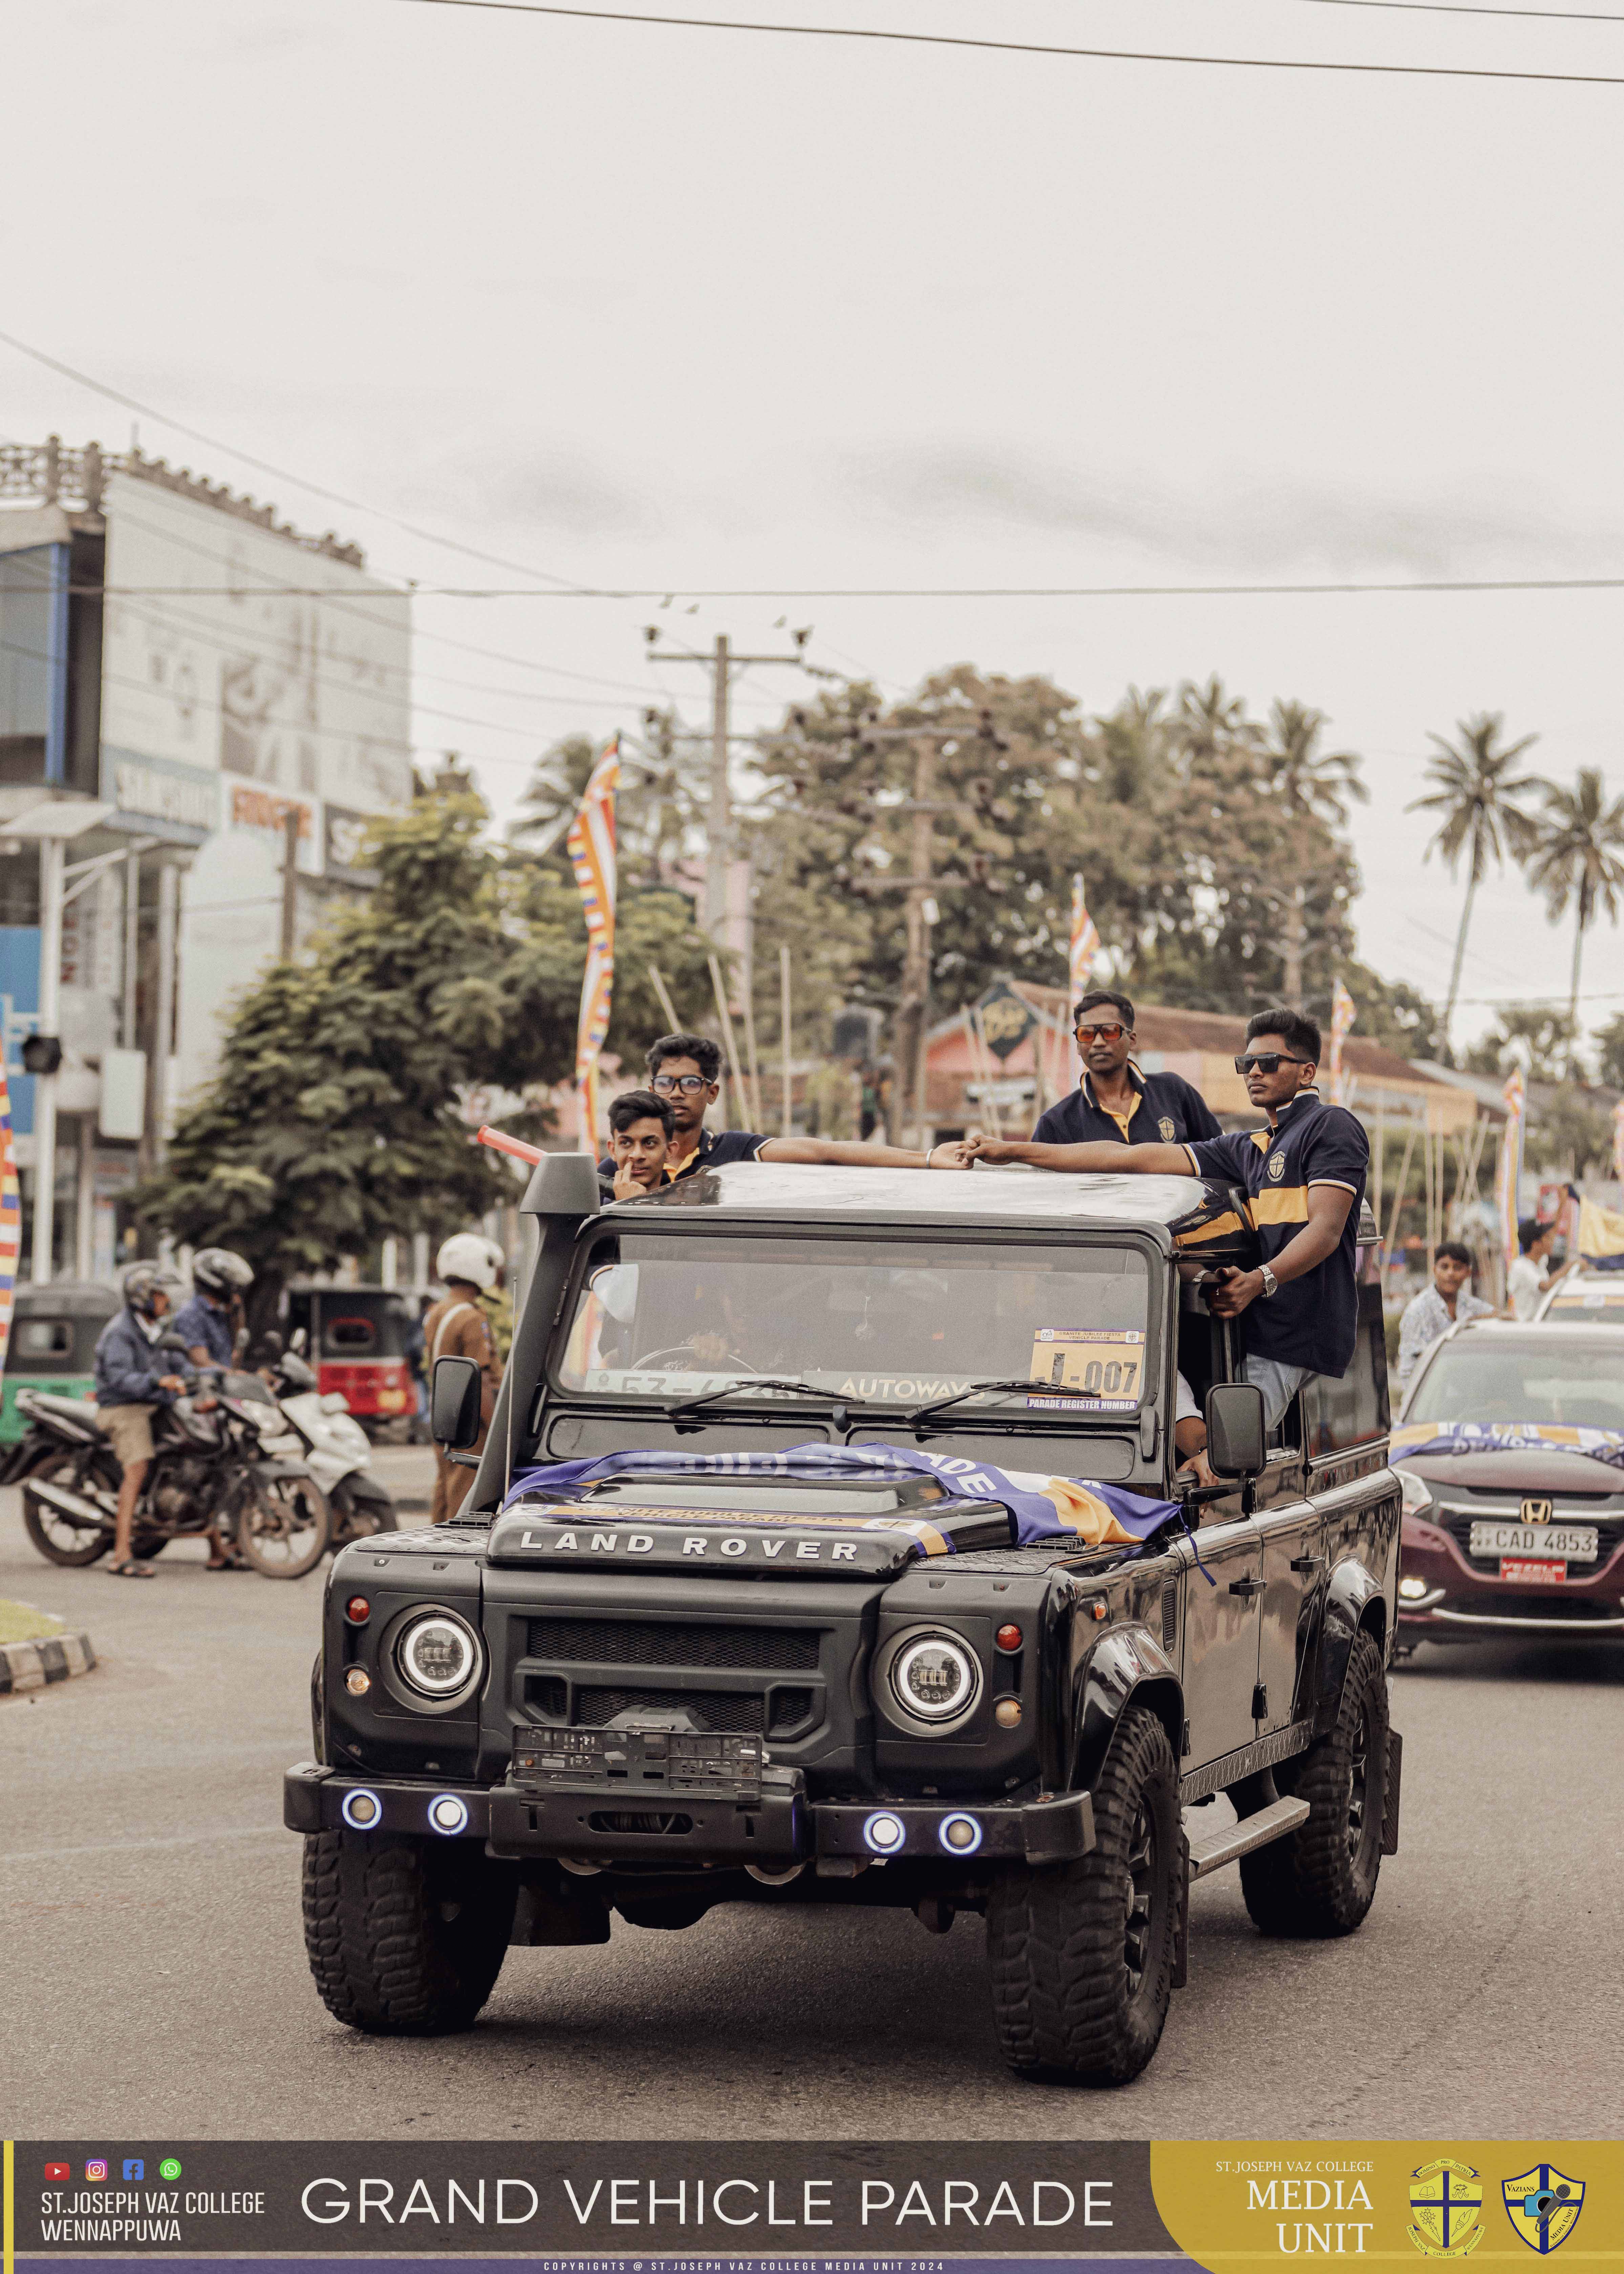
469,1255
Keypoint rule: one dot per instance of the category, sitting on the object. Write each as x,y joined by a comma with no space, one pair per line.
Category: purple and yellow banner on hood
1506,1437
1043,1507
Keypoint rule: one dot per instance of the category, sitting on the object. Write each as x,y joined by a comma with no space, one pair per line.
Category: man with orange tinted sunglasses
1116,1101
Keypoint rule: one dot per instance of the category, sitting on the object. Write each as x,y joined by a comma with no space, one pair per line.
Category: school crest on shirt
1167,1129
1277,1167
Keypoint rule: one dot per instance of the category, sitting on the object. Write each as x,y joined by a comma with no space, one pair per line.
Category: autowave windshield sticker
1044,1508
1506,1437
1100,1369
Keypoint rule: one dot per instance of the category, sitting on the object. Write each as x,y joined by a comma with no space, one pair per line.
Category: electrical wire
1465,8
1350,589
1021,46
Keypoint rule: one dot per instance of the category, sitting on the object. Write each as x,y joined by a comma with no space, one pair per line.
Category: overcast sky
681,309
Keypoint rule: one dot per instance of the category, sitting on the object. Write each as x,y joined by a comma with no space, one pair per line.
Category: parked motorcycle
335,1447
212,1469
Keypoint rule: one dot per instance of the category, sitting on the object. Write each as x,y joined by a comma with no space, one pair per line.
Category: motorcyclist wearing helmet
457,1327
208,1322
130,1380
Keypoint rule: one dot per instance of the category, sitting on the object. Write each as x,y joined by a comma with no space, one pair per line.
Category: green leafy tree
1312,784
1610,1051
335,1119
1474,791
1578,860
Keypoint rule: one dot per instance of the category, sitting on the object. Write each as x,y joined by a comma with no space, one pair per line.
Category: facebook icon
134,2168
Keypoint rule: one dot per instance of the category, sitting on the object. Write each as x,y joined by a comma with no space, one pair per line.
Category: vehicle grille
1457,1521
732,1712
652,1642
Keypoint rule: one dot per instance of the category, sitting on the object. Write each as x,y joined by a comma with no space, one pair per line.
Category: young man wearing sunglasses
685,1073
1115,1104
1304,1178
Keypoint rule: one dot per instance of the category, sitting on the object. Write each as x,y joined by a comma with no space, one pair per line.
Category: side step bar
1238,1839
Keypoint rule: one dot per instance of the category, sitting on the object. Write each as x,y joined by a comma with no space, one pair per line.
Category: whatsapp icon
169,2169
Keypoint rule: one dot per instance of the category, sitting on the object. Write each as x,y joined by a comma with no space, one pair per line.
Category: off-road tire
405,1938
1066,2003
66,1467
1321,1878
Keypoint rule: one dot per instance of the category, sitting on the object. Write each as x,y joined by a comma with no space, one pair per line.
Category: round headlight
935,1678
438,1656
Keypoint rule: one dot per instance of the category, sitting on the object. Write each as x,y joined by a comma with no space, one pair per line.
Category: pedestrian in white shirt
1436,1308
1531,1277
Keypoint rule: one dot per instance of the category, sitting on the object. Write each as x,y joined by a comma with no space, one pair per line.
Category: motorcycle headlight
935,1677
438,1656
1416,1494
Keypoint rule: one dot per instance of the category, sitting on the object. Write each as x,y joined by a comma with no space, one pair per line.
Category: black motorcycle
208,1472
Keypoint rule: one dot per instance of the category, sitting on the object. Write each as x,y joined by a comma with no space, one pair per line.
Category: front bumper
1463,1603
683,1830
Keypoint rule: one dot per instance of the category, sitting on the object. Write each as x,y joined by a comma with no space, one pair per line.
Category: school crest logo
1277,1167
1544,2206
1446,2199
1167,1128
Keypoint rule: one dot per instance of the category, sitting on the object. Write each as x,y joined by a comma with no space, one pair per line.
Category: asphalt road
154,1970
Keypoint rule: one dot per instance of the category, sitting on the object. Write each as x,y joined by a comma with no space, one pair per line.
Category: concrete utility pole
721,663
289,882
920,885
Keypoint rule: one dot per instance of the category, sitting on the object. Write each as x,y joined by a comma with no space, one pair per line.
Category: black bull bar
772,1824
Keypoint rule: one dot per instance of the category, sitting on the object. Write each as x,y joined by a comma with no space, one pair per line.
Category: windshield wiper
757,1381
940,1404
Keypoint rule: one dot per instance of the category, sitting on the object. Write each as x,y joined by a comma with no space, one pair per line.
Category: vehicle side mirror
174,1343
453,1405
298,1342
1235,1434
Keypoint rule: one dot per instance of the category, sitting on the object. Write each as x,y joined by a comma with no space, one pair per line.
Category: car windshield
885,1322
1546,1380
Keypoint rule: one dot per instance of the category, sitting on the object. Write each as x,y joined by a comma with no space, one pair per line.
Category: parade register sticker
1087,1369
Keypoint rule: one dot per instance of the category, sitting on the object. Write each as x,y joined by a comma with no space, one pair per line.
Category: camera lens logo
134,2168
96,2168
58,2173
1543,2205
169,2169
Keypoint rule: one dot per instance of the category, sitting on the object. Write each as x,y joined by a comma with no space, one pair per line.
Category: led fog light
1410,1588
960,1835
438,1656
935,1678
448,1813
361,1810
884,1832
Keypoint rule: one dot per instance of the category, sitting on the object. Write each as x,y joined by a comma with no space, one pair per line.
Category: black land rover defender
696,1683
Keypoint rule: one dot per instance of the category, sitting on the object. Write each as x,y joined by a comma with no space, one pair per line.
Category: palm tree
1476,793
1314,785
1210,721
1579,856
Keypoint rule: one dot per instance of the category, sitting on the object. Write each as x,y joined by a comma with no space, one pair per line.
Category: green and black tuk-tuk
53,1343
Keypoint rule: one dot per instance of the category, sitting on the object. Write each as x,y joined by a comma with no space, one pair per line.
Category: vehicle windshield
885,1322
1546,1380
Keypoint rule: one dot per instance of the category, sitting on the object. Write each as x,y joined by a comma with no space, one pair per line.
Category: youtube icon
56,2172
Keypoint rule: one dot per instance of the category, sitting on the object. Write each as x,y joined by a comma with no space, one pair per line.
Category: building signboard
159,797
346,846
250,808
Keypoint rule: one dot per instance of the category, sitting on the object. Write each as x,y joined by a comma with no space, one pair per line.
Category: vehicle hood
1531,1469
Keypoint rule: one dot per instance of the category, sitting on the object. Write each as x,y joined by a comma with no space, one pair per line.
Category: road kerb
35,1665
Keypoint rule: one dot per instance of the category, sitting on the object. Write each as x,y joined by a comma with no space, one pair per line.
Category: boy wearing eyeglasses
685,1073
1304,1175
1115,1104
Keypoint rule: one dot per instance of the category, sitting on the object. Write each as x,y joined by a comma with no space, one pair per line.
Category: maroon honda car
1530,1542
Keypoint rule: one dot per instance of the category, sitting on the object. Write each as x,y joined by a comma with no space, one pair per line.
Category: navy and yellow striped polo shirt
1313,1320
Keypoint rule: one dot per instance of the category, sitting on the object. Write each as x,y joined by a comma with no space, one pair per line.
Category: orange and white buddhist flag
1510,1176
1344,1013
1085,941
592,857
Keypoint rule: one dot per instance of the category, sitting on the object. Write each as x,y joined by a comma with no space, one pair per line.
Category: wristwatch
1271,1286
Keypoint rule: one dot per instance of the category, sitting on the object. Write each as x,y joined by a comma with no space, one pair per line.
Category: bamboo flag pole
750,1052
741,1096
673,1025
784,1021
1398,1191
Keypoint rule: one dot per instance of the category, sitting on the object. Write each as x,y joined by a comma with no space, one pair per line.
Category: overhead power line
277,473
1021,46
1467,8
882,591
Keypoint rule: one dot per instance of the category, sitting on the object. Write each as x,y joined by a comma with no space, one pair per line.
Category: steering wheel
651,1358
